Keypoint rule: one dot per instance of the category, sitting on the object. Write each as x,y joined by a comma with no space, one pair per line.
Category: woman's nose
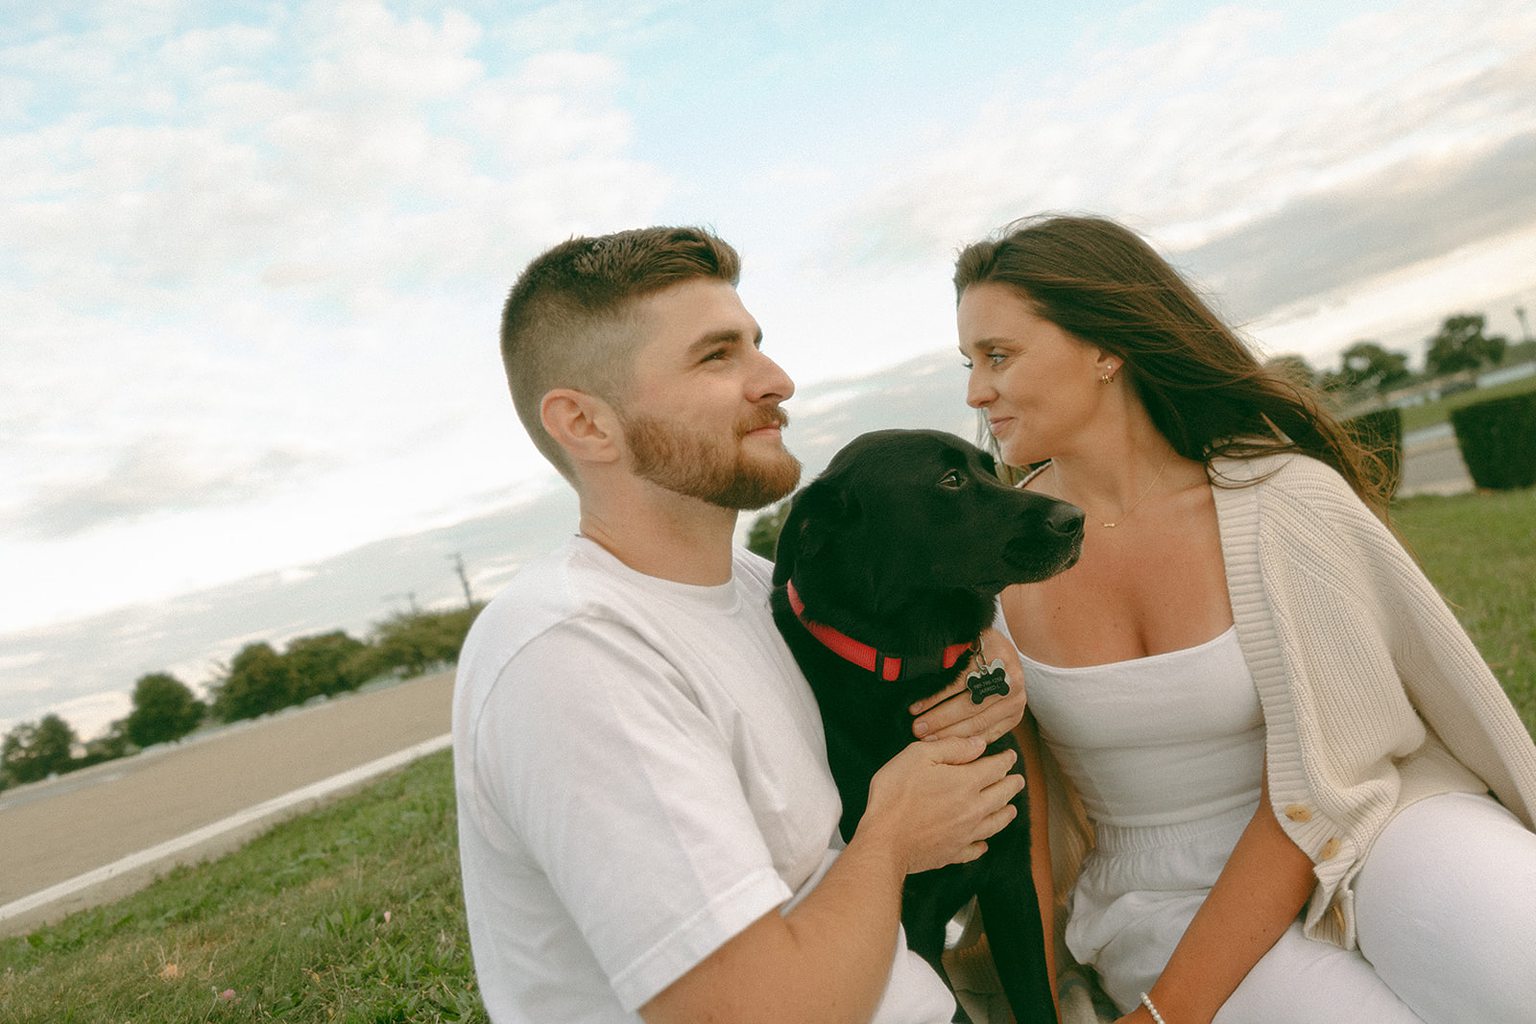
978,394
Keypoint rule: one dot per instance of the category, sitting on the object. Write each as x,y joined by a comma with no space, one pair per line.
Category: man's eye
967,364
952,480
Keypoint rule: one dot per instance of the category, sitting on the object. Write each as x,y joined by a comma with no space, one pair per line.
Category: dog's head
904,511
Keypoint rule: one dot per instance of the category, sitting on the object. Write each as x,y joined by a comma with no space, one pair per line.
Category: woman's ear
583,424
1106,366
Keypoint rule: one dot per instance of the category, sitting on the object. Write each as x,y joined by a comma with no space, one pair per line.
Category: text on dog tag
985,680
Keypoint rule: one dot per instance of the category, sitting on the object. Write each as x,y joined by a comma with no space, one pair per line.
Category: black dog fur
903,543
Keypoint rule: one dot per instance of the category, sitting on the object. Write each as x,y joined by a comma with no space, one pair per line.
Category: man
648,826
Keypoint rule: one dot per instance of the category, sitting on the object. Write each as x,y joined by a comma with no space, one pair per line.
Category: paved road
51,832
1432,464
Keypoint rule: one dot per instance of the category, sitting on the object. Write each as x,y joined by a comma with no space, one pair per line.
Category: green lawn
1480,550
1430,413
353,914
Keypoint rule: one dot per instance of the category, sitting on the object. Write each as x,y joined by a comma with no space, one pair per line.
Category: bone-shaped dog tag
985,680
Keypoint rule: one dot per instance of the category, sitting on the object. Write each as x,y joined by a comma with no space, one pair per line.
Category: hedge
1498,441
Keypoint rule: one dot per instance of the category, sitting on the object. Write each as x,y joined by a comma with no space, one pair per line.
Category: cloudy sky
252,254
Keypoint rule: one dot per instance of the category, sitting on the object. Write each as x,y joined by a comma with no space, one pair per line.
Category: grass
1439,411
353,914
1480,551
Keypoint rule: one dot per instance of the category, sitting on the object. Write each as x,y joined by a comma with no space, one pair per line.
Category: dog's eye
952,480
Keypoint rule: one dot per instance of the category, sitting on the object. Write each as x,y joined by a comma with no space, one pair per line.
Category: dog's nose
1065,519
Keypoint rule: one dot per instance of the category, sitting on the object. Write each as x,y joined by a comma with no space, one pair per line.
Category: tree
763,535
110,746
325,664
164,709
259,681
415,641
1365,365
32,752
1294,368
1461,344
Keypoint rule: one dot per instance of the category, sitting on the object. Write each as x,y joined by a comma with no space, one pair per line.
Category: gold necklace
1124,515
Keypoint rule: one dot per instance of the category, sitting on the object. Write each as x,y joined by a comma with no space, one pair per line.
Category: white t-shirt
641,774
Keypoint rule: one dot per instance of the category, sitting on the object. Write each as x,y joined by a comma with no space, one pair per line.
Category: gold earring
1108,378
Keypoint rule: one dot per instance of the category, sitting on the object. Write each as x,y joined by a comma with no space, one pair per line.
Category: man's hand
950,712
829,957
937,803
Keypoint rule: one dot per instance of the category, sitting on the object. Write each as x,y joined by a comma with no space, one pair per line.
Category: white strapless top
1160,740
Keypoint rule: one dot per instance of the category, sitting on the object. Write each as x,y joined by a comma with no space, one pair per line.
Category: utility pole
458,567
410,600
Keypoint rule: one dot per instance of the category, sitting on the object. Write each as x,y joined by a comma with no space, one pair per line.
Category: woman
1280,736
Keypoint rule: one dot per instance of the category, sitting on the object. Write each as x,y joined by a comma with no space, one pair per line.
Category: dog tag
985,680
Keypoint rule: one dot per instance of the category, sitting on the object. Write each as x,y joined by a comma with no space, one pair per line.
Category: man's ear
583,424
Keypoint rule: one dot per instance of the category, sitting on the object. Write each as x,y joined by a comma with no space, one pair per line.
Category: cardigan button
1298,813
1330,849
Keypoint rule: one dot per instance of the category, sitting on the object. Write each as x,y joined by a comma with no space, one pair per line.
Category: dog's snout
1065,519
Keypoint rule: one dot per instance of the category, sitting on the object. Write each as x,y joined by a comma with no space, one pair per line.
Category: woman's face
1038,385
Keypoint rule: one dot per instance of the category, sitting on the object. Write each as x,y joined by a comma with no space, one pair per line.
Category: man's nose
770,381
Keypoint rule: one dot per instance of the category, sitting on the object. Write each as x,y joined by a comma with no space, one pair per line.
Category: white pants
1445,915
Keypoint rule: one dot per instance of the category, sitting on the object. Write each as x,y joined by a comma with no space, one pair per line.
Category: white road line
273,807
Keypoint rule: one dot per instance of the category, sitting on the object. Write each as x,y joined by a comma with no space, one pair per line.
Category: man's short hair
564,322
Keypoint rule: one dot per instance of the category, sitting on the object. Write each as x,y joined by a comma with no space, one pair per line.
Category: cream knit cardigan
1373,696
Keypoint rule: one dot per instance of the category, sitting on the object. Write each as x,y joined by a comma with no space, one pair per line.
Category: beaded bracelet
1146,1001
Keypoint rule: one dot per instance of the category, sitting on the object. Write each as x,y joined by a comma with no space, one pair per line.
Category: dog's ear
989,462
814,516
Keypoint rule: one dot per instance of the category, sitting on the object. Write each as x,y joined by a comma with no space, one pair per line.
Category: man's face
701,417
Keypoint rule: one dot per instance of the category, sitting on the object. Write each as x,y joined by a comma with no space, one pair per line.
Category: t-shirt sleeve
626,794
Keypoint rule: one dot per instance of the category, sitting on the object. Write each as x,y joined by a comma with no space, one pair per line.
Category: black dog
894,556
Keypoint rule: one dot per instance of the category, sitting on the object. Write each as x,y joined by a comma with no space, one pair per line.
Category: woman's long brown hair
1202,386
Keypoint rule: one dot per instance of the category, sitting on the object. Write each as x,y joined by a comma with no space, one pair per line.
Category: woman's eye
967,364
951,480
995,357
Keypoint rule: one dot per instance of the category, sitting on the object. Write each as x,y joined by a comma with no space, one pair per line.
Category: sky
252,254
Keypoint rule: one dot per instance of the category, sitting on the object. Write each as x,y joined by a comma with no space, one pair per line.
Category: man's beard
712,468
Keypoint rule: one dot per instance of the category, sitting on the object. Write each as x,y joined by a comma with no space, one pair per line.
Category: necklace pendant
1110,526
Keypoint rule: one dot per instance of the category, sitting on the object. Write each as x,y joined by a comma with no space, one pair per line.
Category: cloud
92,714
282,236
154,476
383,153
1220,125
1408,213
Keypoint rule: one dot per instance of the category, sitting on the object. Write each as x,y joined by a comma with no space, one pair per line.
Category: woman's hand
950,712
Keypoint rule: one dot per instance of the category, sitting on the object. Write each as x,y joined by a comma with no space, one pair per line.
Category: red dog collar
863,655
